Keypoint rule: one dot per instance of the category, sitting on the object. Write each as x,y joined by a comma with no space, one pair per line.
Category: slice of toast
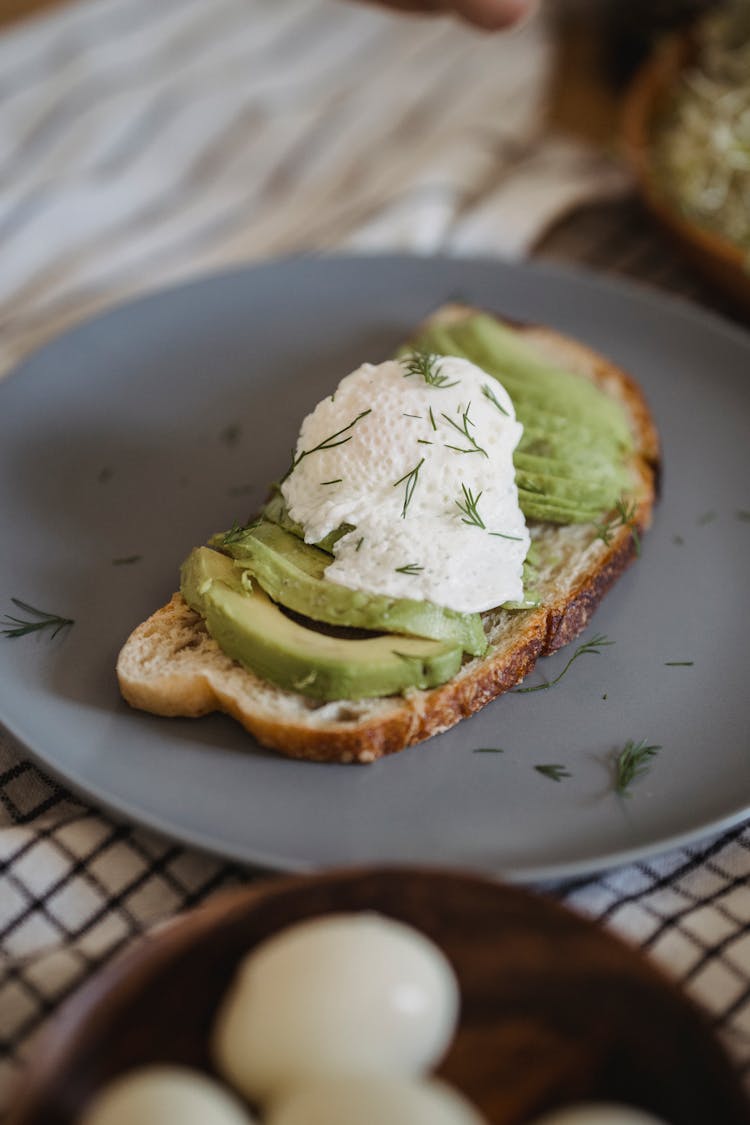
170,665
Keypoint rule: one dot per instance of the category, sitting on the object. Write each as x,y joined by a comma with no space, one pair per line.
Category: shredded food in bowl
701,153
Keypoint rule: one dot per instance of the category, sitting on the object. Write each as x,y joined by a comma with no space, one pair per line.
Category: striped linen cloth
141,143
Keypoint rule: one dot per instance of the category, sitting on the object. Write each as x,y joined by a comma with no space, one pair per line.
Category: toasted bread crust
171,666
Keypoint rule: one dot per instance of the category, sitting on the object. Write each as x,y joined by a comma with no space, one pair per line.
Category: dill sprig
18,627
235,533
631,763
328,443
470,508
554,771
432,418
625,516
588,648
409,568
678,663
411,479
360,541
464,431
428,366
503,535
488,393
336,480
488,750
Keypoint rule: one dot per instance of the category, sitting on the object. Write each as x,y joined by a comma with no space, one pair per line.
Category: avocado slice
292,572
253,630
570,460
276,511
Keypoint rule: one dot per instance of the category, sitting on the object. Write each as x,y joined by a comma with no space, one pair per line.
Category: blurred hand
488,14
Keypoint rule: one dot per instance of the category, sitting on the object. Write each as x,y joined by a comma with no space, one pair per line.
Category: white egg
595,1113
165,1095
373,1101
336,995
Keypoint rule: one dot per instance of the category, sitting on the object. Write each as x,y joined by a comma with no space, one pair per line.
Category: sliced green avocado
571,424
276,511
250,628
293,573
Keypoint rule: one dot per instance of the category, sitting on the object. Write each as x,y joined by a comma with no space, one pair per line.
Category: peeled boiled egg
599,1114
165,1095
373,1101
336,995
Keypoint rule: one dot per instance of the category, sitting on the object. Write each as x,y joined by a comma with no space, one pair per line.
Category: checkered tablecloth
289,125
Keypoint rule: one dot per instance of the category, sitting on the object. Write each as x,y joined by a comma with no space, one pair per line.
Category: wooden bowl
718,259
554,1009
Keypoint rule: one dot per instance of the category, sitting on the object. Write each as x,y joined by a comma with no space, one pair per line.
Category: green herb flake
432,419
409,568
631,763
554,771
625,516
589,648
465,432
678,663
41,620
331,442
488,750
488,393
428,367
678,541
411,479
235,533
469,506
336,480
127,560
360,541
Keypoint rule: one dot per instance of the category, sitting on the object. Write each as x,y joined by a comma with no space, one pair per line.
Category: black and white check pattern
262,130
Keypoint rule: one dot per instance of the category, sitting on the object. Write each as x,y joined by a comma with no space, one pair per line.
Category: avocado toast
318,671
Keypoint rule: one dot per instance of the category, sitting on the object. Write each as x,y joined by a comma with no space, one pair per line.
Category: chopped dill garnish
423,441
428,366
588,648
235,533
18,627
630,763
336,480
488,393
328,443
409,568
488,750
502,535
127,560
470,508
464,431
411,479
360,541
406,415
625,516
555,772
678,663
432,418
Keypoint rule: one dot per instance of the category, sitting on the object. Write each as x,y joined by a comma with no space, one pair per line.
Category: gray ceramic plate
142,432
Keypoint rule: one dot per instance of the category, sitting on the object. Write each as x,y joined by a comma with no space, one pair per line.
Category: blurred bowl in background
554,1009
719,260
